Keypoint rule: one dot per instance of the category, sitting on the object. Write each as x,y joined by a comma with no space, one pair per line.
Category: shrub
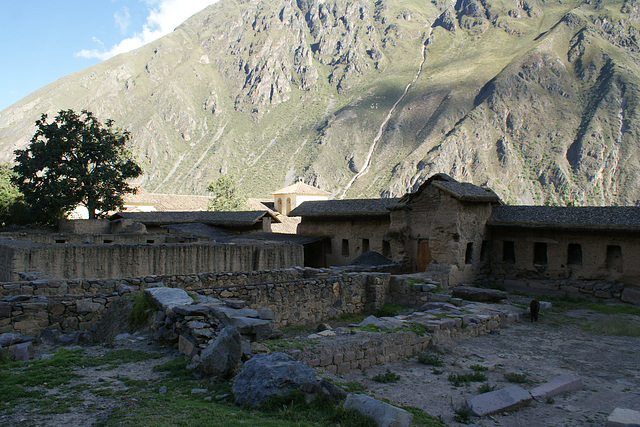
387,377
430,359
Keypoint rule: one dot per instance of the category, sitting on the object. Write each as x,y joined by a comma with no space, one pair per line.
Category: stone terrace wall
296,295
116,260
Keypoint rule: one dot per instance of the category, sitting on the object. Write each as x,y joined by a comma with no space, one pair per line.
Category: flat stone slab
561,384
384,414
505,399
168,297
478,294
623,418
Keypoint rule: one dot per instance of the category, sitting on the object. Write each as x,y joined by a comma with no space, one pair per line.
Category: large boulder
167,298
384,414
265,375
222,357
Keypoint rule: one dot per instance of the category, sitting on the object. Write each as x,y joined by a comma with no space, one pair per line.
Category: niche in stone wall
508,252
468,254
614,258
540,253
574,254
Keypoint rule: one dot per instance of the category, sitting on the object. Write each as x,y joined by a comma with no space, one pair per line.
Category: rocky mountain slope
538,100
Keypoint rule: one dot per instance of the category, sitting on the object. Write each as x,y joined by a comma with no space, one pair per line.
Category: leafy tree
225,195
75,160
12,206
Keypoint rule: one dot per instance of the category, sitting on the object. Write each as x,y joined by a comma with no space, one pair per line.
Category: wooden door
424,255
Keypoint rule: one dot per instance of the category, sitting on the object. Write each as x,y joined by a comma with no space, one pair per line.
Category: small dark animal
534,309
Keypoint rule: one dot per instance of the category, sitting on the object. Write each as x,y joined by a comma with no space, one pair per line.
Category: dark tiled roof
463,191
228,219
344,208
276,237
584,217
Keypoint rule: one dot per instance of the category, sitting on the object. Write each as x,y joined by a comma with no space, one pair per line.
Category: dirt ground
609,367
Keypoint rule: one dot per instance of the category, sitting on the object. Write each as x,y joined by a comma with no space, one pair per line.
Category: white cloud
122,19
161,20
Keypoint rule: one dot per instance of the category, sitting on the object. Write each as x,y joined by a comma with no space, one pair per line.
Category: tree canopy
224,195
12,206
75,160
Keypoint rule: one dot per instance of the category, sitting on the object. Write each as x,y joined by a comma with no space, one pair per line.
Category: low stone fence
306,296
339,355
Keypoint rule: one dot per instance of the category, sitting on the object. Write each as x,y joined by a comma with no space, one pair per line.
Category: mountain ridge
537,100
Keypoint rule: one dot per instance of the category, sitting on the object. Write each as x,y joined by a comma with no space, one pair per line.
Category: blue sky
43,40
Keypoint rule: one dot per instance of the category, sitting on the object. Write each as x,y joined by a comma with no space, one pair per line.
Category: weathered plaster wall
354,232
595,263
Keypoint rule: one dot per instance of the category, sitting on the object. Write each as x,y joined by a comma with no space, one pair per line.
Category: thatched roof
555,217
345,208
463,191
300,188
220,219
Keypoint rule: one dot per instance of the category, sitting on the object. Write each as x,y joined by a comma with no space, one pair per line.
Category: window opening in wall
484,249
107,241
614,258
386,248
574,254
508,252
61,241
288,206
365,245
540,253
468,255
328,247
345,247
151,241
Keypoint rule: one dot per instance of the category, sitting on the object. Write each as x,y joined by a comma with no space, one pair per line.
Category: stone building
576,243
287,199
351,228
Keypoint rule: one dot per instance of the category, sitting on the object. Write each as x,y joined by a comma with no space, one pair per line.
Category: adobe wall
128,260
297,296
605,256
351,230
448,225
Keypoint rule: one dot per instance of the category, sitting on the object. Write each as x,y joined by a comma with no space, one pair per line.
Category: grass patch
352,386
387,377
613,326
458,380
430,359
351,318
390,310
486,388
370,328
417,328
478,368
142,306
116,358
462,413
514,377
423,419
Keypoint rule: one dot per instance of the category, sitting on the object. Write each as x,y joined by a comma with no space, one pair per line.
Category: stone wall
296,295
126,260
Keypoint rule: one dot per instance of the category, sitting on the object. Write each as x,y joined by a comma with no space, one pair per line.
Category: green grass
430,359
613,326
486,388
351,386
390,310
289,344
514,377
116,358
142,303
458,380
462,413
387,377
478,368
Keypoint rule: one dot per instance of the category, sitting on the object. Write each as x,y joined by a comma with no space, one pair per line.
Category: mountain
538,100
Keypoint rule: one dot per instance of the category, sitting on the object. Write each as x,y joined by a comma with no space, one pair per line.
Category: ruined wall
124,260
589,255
85,226
297,296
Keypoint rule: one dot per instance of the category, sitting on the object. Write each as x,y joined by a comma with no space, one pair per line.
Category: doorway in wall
424,255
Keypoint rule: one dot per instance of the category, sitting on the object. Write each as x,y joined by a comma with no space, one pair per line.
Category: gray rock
631,295
235,303
22,352
623,418
323,327
255,329
265,375
163,389
191,310
187,345
124,289
9,338
168,298
266,314
505,399
561,384
224,312
384,414
330,389
382,323
68,339
222,357
478,294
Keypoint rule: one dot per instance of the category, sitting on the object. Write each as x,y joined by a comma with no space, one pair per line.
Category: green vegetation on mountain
538,100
